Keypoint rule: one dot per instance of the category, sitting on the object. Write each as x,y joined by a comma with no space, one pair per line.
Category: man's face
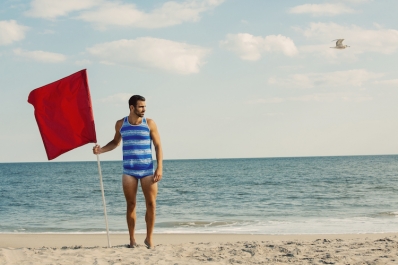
139,110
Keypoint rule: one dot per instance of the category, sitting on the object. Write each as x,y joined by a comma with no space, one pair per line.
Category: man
137,133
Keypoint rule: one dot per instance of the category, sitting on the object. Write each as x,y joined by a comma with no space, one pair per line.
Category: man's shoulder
150,122
119,123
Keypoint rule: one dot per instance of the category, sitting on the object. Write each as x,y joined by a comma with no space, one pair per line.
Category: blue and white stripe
143,133
137,152
137,162
137,149
136,142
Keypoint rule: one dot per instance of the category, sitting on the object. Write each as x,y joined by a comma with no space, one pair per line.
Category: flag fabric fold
64,114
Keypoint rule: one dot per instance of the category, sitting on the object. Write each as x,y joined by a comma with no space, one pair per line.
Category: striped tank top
137,149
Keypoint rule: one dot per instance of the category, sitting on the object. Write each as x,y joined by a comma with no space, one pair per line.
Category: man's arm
112,144
158,148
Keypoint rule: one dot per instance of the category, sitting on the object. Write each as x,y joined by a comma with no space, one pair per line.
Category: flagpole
103,199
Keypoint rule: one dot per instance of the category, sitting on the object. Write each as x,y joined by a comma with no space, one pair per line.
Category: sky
222,78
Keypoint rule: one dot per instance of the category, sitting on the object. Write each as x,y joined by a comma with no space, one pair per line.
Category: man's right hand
97,149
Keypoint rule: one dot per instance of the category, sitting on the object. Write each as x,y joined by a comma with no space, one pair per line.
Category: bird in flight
339,44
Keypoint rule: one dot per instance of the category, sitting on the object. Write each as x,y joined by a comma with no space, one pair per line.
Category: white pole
103,200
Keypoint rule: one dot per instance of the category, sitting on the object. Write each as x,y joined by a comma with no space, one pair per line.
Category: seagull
339,44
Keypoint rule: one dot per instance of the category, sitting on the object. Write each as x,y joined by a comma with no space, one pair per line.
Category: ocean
300,195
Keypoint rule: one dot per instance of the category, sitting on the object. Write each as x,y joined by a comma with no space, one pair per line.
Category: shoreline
55,240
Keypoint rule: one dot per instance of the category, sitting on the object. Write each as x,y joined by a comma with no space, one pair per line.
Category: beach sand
199,249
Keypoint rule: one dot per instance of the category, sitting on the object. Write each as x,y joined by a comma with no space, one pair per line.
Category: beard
139,114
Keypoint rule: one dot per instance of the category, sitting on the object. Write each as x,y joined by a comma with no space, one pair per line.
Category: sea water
303,195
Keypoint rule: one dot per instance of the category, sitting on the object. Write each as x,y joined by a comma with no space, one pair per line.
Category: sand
200,249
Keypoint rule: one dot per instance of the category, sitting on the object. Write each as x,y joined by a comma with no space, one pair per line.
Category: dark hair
133,100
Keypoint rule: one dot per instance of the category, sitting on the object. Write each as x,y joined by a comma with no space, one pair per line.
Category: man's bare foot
148,245
133,244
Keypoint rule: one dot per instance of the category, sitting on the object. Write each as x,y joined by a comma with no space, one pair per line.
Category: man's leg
150,190
130,185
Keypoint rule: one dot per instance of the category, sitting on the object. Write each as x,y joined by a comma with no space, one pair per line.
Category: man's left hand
158,175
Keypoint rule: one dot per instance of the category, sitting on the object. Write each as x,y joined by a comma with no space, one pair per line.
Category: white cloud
343,79
169,14
361,40
329,97
119,98
163,54
390,82
103,13
251,48
321,9
356,1
41,56
11,31
51,9
318,97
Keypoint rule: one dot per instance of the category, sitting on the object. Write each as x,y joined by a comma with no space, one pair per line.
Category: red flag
64,114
